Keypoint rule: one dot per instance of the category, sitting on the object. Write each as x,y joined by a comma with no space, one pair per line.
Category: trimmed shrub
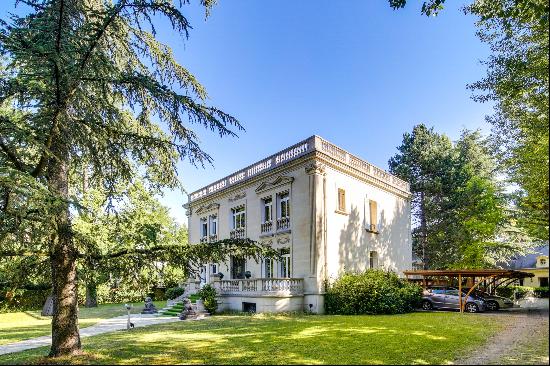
371,292
540,292
519,291
174,292
208,296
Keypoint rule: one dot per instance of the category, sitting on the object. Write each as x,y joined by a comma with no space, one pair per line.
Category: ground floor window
238,266
268,268
285,263
373,259
543,281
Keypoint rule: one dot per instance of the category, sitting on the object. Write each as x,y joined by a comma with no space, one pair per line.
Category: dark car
447,298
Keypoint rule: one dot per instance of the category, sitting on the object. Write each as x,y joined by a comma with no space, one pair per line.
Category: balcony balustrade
237,233
283,223
262,287
266,227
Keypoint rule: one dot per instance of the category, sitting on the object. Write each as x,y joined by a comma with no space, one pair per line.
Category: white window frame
213,229
268,267
238,217
283,197
267,203
285,264
204,225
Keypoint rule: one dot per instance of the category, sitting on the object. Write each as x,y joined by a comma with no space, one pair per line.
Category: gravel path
104,326
521,327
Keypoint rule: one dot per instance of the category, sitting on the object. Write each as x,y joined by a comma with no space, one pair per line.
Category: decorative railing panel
283,223
237,233
266,227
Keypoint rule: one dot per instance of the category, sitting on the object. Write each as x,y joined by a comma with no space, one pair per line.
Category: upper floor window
204,227
284,205
238,217
341,200
213,225
373,216
267,209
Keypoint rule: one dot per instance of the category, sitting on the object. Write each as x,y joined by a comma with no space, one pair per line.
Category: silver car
441,298
494,302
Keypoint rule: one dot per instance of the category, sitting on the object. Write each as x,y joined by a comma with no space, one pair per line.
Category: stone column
316,172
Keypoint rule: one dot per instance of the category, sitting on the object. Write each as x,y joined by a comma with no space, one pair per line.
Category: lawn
22,325
419,338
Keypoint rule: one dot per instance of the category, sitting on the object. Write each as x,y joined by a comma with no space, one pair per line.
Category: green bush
540,292
519,291
174,292
371,292
208,296
23,299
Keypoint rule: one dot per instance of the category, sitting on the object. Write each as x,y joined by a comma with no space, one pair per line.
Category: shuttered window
341,200
373,209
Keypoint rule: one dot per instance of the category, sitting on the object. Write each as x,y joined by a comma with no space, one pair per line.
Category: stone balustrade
261,287
237,233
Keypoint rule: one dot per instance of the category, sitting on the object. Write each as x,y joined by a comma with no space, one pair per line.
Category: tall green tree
457,203
83,84
517,32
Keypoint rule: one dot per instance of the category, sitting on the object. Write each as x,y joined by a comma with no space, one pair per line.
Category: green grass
18,326
417,338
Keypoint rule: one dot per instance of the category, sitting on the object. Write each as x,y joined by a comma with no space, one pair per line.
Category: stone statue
149,307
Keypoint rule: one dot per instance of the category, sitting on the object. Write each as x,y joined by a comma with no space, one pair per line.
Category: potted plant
247,274
220,275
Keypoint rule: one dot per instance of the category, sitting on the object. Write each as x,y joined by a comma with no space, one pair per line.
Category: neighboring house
322,208
536,263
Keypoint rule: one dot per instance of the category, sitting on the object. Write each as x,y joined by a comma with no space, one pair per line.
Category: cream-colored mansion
325,210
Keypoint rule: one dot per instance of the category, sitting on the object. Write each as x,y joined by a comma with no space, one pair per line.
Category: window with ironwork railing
204,229
267,215
283,219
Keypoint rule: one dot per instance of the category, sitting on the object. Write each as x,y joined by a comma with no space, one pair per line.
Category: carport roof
502,273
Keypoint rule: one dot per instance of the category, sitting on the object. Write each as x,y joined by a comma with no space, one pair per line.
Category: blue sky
357,73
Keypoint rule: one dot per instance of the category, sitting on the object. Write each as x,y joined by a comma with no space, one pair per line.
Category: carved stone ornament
285,239
316,168
207,207
238,196
267,242
279,181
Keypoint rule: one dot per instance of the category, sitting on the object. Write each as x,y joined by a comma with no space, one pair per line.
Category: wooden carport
494,276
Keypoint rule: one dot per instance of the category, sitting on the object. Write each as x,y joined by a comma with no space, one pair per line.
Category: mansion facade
325,210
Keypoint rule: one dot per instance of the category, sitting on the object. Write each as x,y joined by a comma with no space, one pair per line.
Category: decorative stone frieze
279,181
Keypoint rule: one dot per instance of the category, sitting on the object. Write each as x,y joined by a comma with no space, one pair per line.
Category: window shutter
341,199
373,208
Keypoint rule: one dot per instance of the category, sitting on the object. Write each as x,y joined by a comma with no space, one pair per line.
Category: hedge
371,292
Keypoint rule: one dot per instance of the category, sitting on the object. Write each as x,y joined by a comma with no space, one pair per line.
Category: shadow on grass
400,339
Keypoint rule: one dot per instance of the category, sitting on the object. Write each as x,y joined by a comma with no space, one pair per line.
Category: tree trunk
91,294
65,334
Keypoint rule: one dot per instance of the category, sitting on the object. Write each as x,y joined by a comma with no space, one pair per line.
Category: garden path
104,326
521,327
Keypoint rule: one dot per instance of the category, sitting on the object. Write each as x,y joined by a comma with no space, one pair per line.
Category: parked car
447,298
493,302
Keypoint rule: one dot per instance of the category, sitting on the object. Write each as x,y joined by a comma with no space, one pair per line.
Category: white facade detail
325,210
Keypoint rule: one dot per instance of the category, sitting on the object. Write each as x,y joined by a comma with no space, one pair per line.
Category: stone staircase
175,308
